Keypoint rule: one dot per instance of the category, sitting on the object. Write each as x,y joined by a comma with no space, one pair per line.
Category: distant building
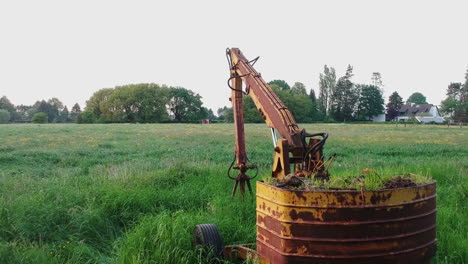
378,118
424,113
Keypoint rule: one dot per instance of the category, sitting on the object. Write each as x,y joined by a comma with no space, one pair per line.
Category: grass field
133,193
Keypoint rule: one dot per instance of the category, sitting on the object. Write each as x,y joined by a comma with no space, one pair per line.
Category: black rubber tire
207,236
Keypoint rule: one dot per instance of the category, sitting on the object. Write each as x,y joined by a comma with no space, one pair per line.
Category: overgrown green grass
133,193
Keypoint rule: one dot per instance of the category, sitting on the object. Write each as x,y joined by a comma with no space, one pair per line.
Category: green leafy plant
40,118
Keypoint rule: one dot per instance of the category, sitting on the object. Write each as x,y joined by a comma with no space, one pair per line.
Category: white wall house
424,113
378,118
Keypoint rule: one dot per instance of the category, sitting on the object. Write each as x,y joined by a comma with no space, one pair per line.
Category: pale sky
70,49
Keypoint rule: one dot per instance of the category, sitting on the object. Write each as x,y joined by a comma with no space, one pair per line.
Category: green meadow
132,193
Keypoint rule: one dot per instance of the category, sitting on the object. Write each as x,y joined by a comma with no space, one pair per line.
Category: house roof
412,109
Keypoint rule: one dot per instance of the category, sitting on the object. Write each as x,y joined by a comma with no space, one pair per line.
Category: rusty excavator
326,226
295,147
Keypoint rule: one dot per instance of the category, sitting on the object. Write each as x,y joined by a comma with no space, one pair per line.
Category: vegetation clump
400,182
367,180
39,118
4,116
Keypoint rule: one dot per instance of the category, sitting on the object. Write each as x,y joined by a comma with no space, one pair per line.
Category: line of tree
339,100
144,103
43,111
456,103
342,100
302,105
395,102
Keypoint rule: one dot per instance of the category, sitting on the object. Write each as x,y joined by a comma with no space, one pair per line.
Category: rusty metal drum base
346,226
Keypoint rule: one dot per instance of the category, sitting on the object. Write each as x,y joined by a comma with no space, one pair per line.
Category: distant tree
99,101
56,103
316,113
42,107
312,96
4,116
344,98
377,80
75,111
327,86
370,103
299,105
211,115
455,90
299,88
464,99
222,112
64,115
417,98
203,114
40,118
448,107
251,114
280,83
465,85
229,115
24,113
51,108
185,105
150,102
456,103
144,103
5,104
395,102
86,117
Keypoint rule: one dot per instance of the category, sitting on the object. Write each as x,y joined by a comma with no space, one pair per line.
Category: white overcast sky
70,49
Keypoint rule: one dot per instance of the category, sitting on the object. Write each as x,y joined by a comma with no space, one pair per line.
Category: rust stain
301,195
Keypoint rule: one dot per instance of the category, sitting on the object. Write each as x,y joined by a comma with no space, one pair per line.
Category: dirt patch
399,182
290,182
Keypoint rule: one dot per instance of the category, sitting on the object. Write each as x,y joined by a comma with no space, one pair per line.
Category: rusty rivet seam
351,223
346,256
345,206
349,240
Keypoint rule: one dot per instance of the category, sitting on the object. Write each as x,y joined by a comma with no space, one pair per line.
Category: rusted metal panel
346,226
